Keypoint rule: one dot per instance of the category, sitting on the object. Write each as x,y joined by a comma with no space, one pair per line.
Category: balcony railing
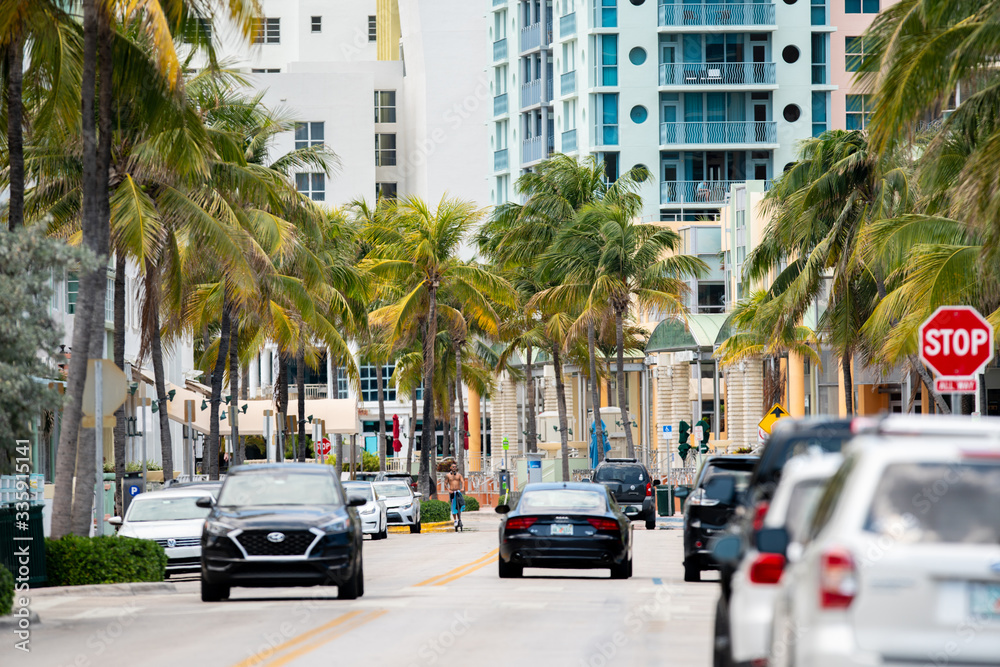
500,105
312,390
716,74
567,83
499,3
538,91
531,36
501,162
500,50
567,25
569,141
531,150
695,192
716,14
719,132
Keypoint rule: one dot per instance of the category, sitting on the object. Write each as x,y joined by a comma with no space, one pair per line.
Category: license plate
631,509
561,529
984,601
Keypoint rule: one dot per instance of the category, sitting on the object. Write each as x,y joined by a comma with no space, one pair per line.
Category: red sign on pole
323,447
956,342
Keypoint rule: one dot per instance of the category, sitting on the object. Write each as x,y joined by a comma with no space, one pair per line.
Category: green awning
697,332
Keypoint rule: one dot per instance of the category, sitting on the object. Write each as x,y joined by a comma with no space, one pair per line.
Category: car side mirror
586,479
356,501
657,482
502,509
727,549
721,488
206,502
417,494
115,521
772,541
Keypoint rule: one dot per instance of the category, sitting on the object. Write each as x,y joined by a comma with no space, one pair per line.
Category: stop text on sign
956,342
943,342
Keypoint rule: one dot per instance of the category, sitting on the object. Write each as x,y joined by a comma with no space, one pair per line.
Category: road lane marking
327,638
462,574
429,582
259,659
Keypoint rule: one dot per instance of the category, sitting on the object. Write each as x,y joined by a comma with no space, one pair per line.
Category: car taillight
698,499
521,522
838,579
767,569
604,524
759,513
649,489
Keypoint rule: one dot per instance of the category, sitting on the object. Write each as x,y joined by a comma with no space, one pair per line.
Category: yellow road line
487,557
326,638
462,574
258,659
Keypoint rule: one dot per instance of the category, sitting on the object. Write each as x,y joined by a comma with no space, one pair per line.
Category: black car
565,525
714,498
630,484
284,524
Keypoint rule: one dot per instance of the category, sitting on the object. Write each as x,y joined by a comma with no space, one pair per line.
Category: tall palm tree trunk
15,131
427,439
120,426
460,430
446,421
282,392
159,377
216,399
234,392
595,389
563,419
338,439
848,383
300,384
413,431
620,380
532,429
380,385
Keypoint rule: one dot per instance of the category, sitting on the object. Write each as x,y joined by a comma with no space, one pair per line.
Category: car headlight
370,510
218,528
337,525
407,506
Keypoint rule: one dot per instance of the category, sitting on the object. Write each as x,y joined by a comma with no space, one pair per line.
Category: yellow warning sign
773,415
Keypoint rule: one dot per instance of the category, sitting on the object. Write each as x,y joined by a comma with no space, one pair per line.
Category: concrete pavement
430,599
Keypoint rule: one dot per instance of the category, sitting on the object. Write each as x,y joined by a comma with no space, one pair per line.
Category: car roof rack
608,459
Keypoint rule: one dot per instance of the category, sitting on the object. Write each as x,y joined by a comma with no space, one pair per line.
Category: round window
789,2
789,166
791,113
637,56
639,2
790,54
639,114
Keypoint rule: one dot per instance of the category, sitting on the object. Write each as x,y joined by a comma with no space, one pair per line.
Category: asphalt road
431,599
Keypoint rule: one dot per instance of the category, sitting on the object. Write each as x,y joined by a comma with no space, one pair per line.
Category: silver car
171,519
401,503
373,515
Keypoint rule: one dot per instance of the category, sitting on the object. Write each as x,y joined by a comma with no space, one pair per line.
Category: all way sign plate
773,415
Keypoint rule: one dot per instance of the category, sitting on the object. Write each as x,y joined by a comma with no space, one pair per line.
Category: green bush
369,462
77,561
471,504
6,591
432,511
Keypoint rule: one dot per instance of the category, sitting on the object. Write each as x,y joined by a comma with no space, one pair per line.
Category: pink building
849,106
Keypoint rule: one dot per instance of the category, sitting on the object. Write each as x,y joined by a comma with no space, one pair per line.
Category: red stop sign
956,341
323,447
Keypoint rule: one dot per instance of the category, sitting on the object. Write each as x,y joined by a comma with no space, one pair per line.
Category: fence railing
719,132
567,83
501,160
531,150
695,192
569,141
531,36
500,105
567,25
711,14
500,49
531,93
716,74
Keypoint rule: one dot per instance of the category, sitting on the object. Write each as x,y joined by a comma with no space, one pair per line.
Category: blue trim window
818,12
859,111
818,58
607,13
819,112
609,119
861,6
609,60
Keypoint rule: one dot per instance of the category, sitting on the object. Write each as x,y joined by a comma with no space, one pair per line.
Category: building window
818,12
861,6
316,23
608,129
72,289
198,31
854,50
385,150
309,134
267,31
818,58
607,13
312,185
385,190
859,111
369,383
265,71
819,113
109,300
608,75
372,29
385,106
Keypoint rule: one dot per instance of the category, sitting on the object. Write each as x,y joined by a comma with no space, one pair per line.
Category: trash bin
664,500
14,536
681,493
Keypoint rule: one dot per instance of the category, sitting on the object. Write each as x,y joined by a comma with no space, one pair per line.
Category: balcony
531,150
567,83
695,192
716,14
567,25
716,74
500,105
719,132
500,50
501,162
531,37
499,3
569,141
535,92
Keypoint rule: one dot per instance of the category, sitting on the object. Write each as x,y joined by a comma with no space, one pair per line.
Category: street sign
667,431
773,415
323,447
114,388
956,385
506,445
133,490
699,433
956,342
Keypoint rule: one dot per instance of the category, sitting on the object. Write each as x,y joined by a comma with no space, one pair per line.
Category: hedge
471,504
77,561
6,591
432,511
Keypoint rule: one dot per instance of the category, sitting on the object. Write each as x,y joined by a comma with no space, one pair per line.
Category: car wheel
651,522
721,648
692,572
354,587
509,570
213,592
415,528
382,534
622,571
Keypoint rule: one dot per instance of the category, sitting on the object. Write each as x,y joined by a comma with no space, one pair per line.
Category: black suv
283,524
630,484
721,482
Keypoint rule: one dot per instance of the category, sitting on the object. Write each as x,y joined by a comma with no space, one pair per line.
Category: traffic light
705,428
683,435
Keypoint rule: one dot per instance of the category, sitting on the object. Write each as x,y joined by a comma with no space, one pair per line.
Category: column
841,401
474,457
254,377
796,385
331,382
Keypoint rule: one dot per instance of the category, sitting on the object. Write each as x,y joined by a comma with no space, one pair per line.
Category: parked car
281,524
386,476
373,515
743,620
901,563
632,487
717,491
565,525
365,476
171,518
402,503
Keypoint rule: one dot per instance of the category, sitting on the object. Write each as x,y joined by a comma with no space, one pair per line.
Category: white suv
902,562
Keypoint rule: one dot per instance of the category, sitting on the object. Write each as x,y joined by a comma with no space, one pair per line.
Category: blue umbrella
595,456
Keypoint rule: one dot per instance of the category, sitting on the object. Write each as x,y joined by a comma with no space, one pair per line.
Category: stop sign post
956,342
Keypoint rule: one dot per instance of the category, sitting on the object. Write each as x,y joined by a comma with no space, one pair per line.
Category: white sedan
171,519
401,503
374,520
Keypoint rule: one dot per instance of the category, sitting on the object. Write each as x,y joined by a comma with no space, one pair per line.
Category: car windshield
741,474
551,501
620,474
279,488
392,490
360,490
801,506
166,509
938,503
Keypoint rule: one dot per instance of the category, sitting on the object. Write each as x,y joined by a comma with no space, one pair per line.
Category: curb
12,621
435,527
138,588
